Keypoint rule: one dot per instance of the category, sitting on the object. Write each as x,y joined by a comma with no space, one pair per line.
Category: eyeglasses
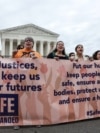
28,40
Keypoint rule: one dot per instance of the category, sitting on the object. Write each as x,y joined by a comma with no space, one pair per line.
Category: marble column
11,47
34,47
55,43
41,48
18,42
48,48
3,47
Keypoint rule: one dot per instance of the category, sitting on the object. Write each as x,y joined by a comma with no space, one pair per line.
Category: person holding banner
79,53
27,51
96,55
58,52
72,56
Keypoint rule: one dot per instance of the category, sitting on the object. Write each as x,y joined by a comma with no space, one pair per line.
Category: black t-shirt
52,55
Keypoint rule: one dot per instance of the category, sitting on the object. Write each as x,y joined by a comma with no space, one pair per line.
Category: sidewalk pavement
86,126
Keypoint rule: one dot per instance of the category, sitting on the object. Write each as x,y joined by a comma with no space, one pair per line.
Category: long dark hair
95,54
78,46
55,50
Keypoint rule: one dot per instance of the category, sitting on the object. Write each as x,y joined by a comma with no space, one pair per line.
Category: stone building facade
44,39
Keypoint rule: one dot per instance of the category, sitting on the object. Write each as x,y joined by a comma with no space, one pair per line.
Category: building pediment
29,29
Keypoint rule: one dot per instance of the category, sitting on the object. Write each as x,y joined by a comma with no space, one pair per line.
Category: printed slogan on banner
46,91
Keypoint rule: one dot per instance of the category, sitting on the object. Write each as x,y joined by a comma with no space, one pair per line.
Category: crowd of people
27,50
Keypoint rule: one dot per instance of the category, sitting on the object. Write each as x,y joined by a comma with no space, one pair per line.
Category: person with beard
58,52
79,53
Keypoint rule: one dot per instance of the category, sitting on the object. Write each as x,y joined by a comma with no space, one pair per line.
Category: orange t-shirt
26,53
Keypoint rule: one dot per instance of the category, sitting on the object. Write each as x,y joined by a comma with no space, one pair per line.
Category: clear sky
77,21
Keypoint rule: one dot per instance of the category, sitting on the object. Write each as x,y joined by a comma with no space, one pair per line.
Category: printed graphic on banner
8,108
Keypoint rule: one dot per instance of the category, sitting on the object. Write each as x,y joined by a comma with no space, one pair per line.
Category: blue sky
77,21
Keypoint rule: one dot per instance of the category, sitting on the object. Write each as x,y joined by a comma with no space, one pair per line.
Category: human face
98,56
79,49
72,56
60,46
28,43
